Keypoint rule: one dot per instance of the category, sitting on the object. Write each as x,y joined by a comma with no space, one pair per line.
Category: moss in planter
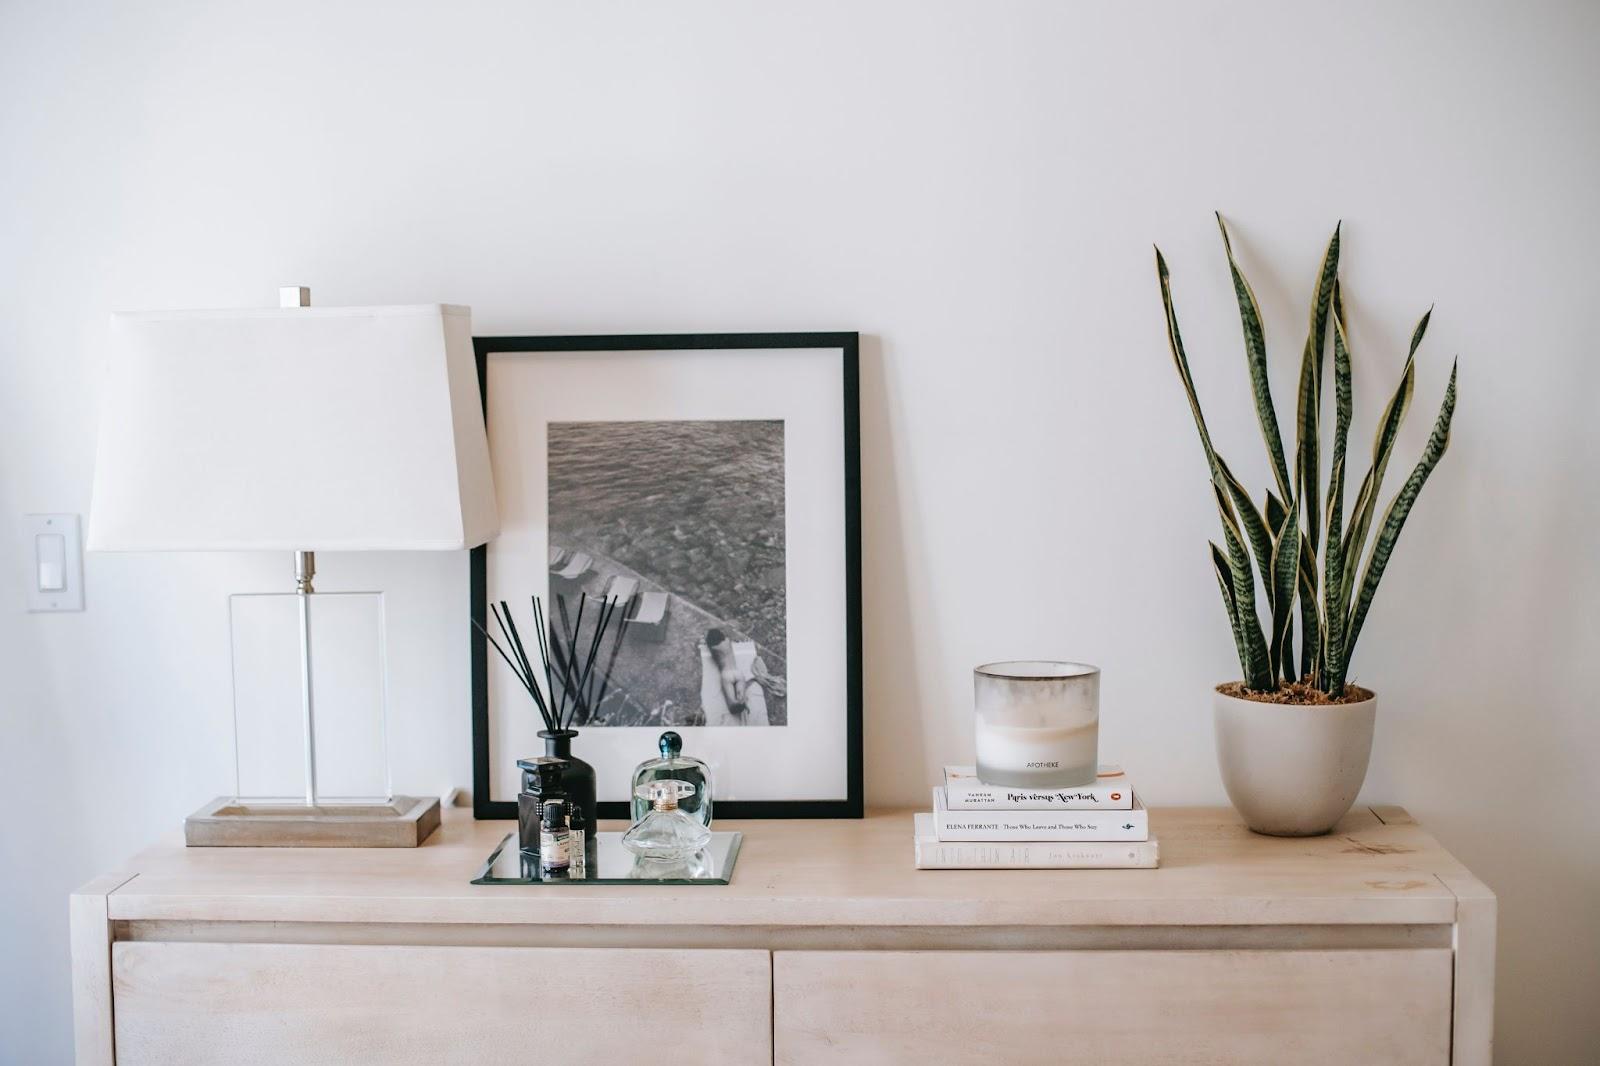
1297,692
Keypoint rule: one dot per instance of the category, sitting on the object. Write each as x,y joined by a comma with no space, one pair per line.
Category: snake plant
1282,539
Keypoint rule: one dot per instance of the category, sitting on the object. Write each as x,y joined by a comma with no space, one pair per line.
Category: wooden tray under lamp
226,822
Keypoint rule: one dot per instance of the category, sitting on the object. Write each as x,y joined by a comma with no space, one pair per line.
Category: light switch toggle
50,550
54,543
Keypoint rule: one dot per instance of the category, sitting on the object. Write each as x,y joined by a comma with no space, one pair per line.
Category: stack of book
978,826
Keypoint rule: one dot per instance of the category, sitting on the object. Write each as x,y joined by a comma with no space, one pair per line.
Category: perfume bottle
665,832
673,765
696,867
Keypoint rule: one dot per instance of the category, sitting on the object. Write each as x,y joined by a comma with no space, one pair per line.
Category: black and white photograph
681,523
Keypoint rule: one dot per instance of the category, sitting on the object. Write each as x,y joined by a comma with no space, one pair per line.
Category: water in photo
683,522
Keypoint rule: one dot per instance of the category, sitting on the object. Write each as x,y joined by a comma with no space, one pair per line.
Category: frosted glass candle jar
1038,723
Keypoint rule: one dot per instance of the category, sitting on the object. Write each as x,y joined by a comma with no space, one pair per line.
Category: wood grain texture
829,872
261,1004
90,940
1240,1008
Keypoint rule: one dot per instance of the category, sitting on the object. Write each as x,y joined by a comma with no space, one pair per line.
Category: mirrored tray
609,863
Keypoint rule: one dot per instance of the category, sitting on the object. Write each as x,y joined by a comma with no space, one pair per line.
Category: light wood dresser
1369,946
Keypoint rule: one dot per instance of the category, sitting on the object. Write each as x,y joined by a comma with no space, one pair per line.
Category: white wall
976,188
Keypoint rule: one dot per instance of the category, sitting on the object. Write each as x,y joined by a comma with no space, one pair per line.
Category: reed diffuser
569,684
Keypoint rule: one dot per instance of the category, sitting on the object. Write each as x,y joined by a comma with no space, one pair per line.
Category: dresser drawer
1145,1007
386,1005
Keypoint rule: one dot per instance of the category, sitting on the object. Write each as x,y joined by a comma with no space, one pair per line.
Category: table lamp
298,429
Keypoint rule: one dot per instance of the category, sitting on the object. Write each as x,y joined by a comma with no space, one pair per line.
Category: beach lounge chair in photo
624,589
575,567
649,620
558,556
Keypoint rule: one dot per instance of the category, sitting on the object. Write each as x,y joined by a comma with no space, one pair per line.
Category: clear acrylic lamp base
310,734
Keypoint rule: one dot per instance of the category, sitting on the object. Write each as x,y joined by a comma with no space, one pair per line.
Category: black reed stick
562,657
566,664
511,623
515,659
608,607
605,679
542,632
508,629
585,674
527,680
515,669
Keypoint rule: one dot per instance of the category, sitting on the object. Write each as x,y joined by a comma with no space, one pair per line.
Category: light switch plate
54,578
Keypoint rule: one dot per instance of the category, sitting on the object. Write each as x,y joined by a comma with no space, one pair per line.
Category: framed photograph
711,484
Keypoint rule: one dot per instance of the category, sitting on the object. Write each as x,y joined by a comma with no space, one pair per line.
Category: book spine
963,797
937,855
1021,826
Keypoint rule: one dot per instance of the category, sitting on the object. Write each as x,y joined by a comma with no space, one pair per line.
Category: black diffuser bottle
541,779
542,789
577,776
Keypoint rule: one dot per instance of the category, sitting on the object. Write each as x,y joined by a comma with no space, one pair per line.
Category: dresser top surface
1377,867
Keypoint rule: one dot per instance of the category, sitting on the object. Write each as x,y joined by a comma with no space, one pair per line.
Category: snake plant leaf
1341,379
1253,645
1326,279
1255,529
1422,328
1181,360
1249,641
1255,352
1335,607
1333,611
1355,535
1276,512
1219,562
1311,643
1282,580
1286,658
1258,675
1308,459
1395,517
1366,505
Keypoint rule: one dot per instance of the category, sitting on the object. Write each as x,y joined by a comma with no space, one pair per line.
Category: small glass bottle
555,840
665,832
673,765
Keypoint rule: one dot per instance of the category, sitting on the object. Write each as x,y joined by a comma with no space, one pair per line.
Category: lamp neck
305,568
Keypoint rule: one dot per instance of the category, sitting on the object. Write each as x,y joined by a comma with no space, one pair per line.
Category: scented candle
1038,723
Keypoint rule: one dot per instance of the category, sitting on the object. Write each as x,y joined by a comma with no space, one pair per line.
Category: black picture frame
483,807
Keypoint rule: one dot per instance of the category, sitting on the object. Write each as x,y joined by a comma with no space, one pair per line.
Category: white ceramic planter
1293,771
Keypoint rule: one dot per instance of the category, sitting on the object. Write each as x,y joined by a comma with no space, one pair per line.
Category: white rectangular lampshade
300,429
